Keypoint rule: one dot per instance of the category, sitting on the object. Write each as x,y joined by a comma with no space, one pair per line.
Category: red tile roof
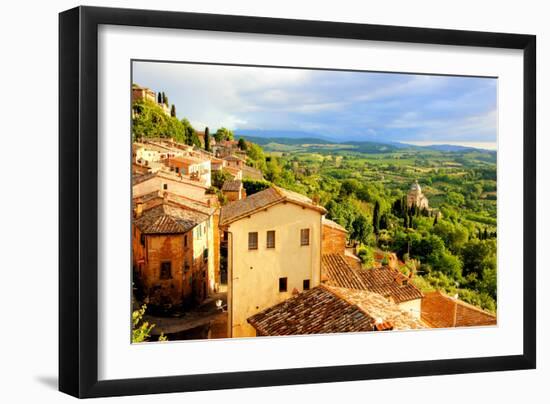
335,271
261,200
316,311
232,186
333,225
168,219
442,311
390,283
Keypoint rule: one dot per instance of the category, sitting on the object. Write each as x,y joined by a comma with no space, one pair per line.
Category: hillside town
211,261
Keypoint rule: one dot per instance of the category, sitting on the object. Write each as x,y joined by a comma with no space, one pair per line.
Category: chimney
139,209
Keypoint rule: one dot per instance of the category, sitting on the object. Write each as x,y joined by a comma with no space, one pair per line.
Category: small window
142,239
164,186
166,270
306,284
253,240
186,267
205,255
304,237
282,284
185,240
270,239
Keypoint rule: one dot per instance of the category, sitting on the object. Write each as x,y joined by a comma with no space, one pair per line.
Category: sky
340,105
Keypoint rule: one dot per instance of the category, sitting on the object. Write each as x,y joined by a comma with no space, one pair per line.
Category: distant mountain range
264,137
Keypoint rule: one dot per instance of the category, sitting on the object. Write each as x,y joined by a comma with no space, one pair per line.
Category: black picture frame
78,201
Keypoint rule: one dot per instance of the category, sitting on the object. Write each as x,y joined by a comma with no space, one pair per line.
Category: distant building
442,311
170,182
233,190
416,198
234,162
142,93
196,168
252,173
274,250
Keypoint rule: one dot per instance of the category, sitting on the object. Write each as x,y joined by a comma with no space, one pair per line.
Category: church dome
416,187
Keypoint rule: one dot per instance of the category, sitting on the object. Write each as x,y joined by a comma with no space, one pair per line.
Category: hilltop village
213,259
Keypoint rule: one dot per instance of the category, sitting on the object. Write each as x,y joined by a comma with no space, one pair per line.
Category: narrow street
203,321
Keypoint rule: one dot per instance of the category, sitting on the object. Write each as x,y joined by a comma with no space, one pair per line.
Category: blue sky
340,105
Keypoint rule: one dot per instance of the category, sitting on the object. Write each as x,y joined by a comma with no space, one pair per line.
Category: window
142,239
270,239
185,240
306,284
282,284
253,240
164,186
166,270
186,267
304,237
205,255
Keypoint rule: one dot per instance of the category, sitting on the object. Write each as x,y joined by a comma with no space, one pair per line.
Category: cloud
343,105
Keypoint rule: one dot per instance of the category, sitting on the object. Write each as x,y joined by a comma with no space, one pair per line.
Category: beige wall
185,189
413,307
254,274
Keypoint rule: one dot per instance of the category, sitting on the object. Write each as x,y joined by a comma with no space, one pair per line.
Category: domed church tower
416,197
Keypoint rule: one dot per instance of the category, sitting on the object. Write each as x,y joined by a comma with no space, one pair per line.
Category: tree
159,98
242,144
206,139
219,177
164,98
361,229
223,134
376,217
173,111
141,330
366,255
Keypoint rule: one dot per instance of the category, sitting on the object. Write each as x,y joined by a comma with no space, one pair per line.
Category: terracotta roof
316,311
168,219
232,170
188,160
232,186
233,158
336,271
378,307
252,173
168,175
261,200
442,311
333,224
390,283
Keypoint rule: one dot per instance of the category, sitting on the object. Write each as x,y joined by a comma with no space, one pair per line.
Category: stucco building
233,190
195,168
274,252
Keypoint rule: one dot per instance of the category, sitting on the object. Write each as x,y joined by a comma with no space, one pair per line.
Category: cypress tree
173,111
206,139
376,217
159,98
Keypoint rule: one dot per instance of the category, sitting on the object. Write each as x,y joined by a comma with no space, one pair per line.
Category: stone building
142,93
416,198
233,190
172,250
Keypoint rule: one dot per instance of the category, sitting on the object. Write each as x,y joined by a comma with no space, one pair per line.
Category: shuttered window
304,237
253,240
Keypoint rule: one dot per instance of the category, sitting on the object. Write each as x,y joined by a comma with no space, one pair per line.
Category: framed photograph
251,201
